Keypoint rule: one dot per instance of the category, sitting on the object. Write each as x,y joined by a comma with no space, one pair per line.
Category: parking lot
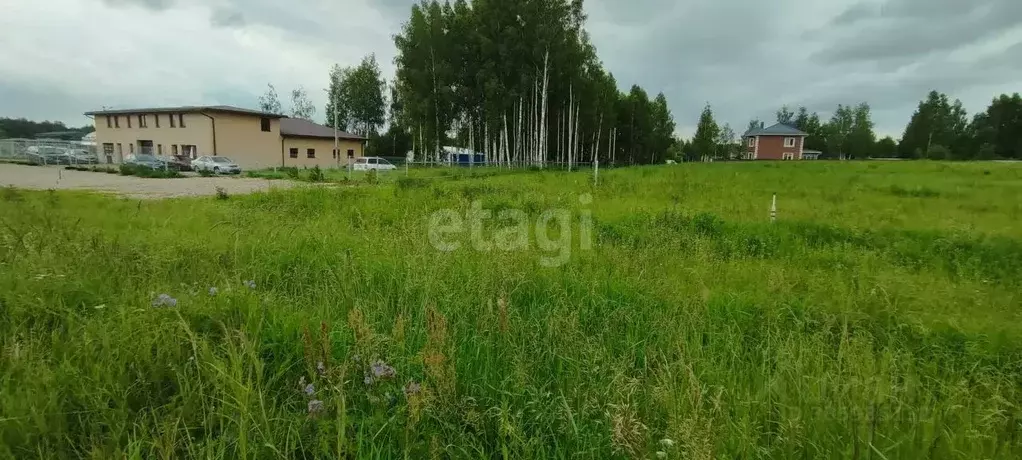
58,178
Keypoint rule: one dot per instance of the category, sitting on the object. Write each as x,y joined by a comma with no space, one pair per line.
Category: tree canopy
522,82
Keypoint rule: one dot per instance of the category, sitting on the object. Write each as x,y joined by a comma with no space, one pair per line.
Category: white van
372,163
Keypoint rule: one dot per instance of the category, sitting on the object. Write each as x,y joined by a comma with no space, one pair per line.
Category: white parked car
372,163
216,165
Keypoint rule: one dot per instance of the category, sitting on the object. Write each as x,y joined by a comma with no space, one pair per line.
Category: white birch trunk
543,143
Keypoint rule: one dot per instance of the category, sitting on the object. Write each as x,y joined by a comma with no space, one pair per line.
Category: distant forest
21,128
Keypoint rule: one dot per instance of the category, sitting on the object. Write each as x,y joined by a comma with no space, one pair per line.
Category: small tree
301,106
269,102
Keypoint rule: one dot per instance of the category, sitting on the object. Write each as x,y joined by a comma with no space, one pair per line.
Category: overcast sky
59,58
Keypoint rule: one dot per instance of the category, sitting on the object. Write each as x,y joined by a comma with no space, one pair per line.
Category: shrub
206,173
372,177
128,170
221,194
290,172
316,174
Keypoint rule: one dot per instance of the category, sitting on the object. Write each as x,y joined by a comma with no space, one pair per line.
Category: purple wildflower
164,300
309,390
382,370
412,388
321,368
315,407
251,284
368,380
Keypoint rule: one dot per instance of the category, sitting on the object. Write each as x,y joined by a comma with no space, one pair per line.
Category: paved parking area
58,178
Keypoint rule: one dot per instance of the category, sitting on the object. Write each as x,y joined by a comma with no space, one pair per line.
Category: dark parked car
46,155
145,161
177,162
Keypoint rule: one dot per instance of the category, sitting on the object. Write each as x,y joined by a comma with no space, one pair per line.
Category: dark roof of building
187,109
779,129
297,127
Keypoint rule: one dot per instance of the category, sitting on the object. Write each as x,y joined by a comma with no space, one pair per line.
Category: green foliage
206,173
997,133
477,70
270,102
316,174
22,128
886,148
705,141
358,95
859,322
937,122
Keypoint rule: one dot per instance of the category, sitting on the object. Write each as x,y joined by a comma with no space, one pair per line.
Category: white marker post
596,172
773,210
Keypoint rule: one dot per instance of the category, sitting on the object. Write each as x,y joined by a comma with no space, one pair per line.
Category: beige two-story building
253,139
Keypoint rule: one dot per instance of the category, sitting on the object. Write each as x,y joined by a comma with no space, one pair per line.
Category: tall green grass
871,321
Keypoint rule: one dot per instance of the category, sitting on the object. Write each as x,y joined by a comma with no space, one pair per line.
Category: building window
181,120
789,141
752,142
120,150
108,152
788,156
127,118
159,149
264,123
311,153
171,116
189,151
351,153
293,153
335,153
109,122
117,121
156,117
142,122
131,149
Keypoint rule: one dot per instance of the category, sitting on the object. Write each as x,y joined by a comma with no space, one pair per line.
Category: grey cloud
901,31
156,5
227,18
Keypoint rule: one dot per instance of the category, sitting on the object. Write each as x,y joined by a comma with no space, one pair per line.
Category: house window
117,121
752,142
789,141
293,153
264,123
128,119
108,151
120,150
142,122
171,116
156,117
788,156
173,149
159,149
181,120
311,153
109,122
189,150
335,153
351,153
131,148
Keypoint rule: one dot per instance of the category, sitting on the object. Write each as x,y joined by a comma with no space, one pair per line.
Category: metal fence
47,152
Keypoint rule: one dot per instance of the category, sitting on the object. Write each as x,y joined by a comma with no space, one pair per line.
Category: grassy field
879,317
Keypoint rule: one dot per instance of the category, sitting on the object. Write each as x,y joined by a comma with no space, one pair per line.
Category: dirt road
58,178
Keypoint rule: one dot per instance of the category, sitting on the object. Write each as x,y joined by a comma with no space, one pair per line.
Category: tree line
939,129
21,128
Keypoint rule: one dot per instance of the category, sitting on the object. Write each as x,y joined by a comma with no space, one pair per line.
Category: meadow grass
877,318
